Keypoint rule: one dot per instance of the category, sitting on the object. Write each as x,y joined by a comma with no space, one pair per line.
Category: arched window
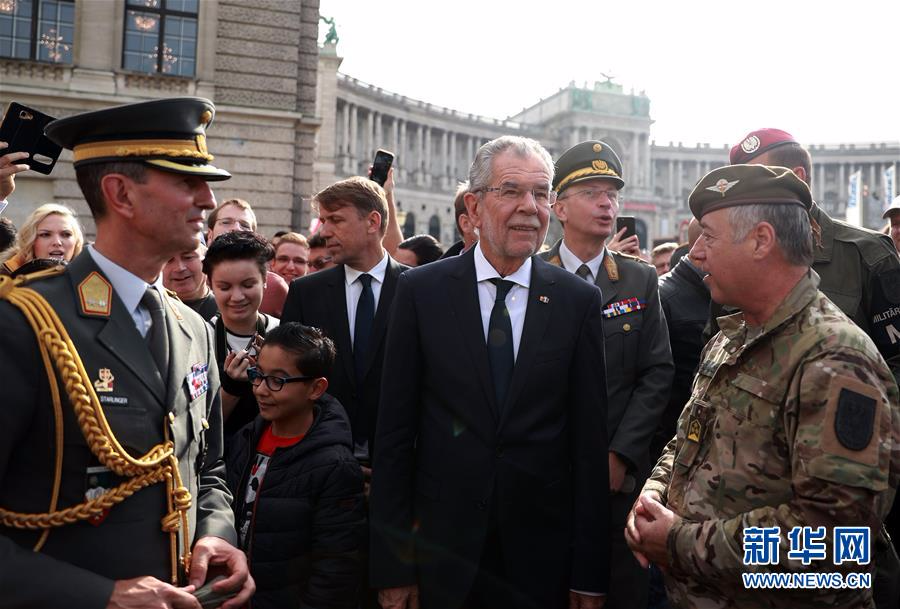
409,225
434,227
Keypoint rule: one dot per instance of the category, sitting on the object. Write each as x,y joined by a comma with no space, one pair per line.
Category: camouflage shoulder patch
854,419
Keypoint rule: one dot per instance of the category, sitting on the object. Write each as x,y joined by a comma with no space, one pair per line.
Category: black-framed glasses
274,383
510,192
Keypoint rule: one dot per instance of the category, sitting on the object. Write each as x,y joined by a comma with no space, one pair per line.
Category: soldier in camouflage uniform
793,418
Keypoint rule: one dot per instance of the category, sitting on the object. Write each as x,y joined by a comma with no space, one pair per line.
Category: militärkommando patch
854,419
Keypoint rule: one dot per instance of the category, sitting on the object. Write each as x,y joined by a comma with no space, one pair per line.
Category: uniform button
204,423
499,451
171,417
627,327
482,504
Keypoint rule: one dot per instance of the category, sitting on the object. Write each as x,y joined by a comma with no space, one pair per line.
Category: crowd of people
347,419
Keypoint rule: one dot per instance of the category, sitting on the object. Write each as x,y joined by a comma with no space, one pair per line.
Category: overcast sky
714,70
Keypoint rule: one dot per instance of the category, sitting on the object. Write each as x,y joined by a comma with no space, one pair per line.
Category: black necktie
156,338
362,329
584,272
500,341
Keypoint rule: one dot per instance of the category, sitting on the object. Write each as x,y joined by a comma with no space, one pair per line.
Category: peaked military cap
586,161
734,185
167,134
759,142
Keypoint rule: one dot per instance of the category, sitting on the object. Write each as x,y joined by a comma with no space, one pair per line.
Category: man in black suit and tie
351,302
490,479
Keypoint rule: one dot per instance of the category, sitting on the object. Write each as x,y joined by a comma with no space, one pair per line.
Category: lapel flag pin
544,299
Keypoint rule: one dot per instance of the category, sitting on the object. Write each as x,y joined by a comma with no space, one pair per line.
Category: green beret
748,185
586,161
166,134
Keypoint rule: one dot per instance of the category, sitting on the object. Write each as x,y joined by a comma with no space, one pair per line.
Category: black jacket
685,302
309,522
320,300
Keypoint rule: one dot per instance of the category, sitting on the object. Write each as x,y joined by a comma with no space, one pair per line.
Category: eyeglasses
510,192
286,259
320,263
274,383
592,194
229,222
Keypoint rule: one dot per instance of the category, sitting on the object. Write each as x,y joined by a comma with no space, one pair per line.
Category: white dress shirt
516,299
354,288
129,288
571,262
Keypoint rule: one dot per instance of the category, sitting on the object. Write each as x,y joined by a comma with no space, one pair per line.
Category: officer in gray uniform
112,487
639,368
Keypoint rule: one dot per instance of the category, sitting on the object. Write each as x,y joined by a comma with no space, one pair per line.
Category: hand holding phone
380,166
23,130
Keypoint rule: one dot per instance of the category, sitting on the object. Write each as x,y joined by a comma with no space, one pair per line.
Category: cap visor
207,172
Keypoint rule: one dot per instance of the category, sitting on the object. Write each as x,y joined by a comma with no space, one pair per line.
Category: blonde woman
51,231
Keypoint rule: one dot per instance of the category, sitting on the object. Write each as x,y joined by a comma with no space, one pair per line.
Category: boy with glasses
298,489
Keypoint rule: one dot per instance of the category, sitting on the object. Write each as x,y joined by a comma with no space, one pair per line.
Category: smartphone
23,129
626,222
381,165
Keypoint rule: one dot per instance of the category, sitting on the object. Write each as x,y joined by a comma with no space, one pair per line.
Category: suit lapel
379,328
537,317
118,335
607,278
179,351
338,296
467,310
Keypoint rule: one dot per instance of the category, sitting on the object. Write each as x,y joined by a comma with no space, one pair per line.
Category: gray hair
482,166
791,223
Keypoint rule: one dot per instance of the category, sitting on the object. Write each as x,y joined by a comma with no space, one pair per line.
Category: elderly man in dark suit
489,485
639,366
141,384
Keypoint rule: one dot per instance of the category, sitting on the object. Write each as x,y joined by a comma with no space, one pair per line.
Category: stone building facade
289,122
256,59
435,146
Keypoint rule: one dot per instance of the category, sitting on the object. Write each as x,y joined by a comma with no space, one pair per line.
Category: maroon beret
757,142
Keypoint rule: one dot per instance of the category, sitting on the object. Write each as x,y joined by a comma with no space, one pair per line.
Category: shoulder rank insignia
95,293
694,430
629,305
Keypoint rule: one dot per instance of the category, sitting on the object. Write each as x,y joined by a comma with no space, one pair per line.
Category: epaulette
172,294
873,246
630,257
27,278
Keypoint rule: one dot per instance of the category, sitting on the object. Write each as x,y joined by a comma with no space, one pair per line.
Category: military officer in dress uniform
639,366
793,420
111,480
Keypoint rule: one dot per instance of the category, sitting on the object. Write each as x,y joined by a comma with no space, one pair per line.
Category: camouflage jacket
795,423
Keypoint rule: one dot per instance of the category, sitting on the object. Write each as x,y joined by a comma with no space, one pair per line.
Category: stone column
420,154
404,150
427,158
842,185
352,151
671,192
379,134
368,151
395,136
444,172
635,170
344,146
453,161
678,181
